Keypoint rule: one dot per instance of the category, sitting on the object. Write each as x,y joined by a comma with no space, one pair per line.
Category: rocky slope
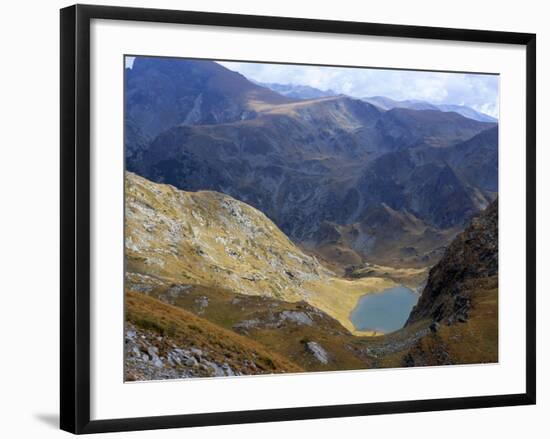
215,289
297,331
212,240
470,260
165,342
456,318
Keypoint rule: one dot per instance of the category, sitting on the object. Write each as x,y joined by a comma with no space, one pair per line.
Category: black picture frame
75,217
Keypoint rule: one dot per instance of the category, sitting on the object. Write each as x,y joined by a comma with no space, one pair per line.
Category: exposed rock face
144,364
274,320
164,342
317,351
471,257
212,239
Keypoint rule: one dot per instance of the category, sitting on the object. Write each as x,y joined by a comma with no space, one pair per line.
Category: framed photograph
284,218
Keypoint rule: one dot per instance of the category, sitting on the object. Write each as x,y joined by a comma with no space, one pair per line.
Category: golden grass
289,108
472,342
189,330
411,277
195,238
287,339
338,297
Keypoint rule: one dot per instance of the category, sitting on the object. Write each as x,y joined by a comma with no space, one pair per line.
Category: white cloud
474,90
129,61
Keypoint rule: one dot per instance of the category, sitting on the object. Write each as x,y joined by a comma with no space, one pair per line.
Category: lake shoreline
382,312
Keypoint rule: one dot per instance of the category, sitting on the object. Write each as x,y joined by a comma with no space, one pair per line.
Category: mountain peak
165,92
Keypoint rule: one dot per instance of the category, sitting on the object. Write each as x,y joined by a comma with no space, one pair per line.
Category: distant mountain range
343,177
414,104
297,91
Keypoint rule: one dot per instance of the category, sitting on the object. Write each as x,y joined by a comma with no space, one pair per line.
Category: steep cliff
470,261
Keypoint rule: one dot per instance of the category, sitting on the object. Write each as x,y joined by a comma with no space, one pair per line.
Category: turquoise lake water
386,311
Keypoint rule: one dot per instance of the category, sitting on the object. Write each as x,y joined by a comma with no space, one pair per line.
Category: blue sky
479,92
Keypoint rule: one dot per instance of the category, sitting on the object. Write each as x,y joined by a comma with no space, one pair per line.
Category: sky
479,92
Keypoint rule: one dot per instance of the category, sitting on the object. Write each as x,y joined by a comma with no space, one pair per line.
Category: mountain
313,166
216,332
210,239
460,300
297,91
254,223
164,92
213,288
386,104
403,128
476,160
469,264
306,163
467,112
429,189
383,235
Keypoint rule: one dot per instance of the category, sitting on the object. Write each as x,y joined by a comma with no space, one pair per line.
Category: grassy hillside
212,240
470,341
282,327
216,289
166,341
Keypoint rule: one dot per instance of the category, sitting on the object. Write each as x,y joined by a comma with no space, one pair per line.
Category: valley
212,240
269,228
180,251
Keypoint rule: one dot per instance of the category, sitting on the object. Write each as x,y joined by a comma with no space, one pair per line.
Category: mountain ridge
300,91
306,163
416,104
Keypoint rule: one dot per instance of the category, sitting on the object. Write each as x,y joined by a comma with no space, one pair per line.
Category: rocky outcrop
144,361
317,351
471,258
165,342
212,239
